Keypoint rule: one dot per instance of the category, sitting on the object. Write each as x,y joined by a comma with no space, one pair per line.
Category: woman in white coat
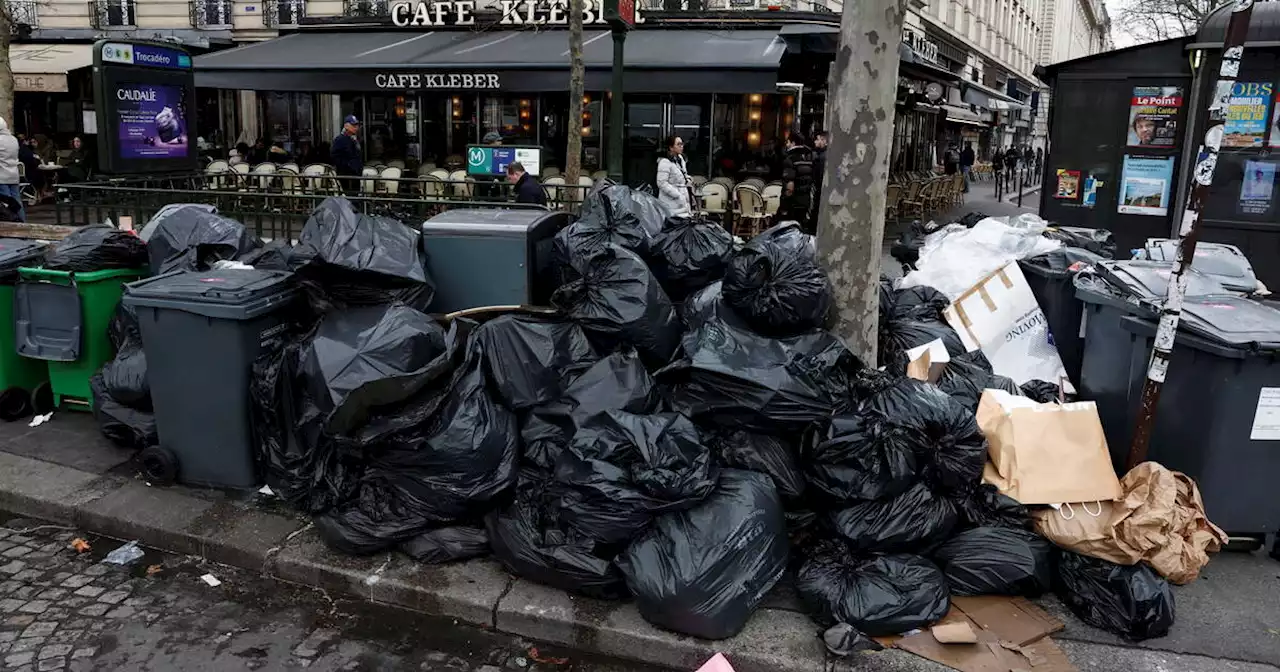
674,188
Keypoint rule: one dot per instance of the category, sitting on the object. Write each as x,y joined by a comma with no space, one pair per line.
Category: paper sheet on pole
999,315
1266,419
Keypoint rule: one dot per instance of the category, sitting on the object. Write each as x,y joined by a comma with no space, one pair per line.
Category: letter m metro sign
620,14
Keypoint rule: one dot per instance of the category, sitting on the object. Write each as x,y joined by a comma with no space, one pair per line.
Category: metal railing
272,209
113,13
210,13
366,8
276,13
22,12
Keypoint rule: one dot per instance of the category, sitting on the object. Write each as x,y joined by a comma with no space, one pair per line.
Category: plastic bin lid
16,252
1225,263
1233,320
1149,280
232,293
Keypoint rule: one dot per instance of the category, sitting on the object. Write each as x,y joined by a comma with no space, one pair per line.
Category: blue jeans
14,192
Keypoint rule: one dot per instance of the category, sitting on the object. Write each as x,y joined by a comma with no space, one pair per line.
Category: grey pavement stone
8,586
10,605
54,650
40,629
76,581
14,660
16,552
73,601
29,575
35,607
121,612
27,644
84,653
95,609
53,594
90,591
310,647
96,570
113,597
20,620
25,593
13,567
8,636
66,636
51,664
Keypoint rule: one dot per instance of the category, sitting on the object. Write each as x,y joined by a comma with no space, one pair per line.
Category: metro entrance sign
492,160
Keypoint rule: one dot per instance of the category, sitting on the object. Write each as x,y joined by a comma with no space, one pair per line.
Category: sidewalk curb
285,546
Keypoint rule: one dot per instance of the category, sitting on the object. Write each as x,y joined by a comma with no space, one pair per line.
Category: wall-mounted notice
1257,187
1248,110
1144,185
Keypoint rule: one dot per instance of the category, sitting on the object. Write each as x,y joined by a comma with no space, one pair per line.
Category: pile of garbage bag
97,247
192,237
121,394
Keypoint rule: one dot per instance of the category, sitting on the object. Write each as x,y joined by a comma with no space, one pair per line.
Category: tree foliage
1154,20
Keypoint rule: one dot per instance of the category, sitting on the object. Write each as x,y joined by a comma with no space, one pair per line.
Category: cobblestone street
66,610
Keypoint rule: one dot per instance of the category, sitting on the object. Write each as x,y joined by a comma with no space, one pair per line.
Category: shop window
113,13
512,117
290,121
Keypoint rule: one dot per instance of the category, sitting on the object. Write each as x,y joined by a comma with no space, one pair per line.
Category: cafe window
289,119
512,117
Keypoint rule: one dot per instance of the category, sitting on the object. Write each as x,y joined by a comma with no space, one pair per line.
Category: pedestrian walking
527,187
967,159
997,167
951,160
797,180
820,140
348,159
1040,160
10,178
1012,157
674,188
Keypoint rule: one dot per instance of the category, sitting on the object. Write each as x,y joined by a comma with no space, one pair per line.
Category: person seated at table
257,153
79,163
277,153
27,155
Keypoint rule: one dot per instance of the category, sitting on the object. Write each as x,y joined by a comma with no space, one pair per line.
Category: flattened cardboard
1012,636
960,632
1011,619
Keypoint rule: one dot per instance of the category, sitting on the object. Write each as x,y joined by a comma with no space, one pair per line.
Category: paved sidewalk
1228,621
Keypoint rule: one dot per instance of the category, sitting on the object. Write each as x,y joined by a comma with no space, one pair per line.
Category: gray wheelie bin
201,332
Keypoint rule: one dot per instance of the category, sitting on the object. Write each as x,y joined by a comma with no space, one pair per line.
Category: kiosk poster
1275,128
1257,188
1153,116
1068,184
150,121
1248,111
1145,184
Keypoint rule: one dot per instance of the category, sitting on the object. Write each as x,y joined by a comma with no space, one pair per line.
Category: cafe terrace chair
892,198
600,175
440,174
288,175
550,171
772,194
726,181
396,163
263,176
390,181
553,186
715,198
368,187
312,176
426,168
752,218
697,180
215,173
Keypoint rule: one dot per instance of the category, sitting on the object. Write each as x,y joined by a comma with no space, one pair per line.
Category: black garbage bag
618,382
272,256
530,359
1062,260
365,357
708,304
447,544
623,469
125,377
791,238
619,303
986,506
97,247
770,455
966,376
971,219
1133,602
191,238
1044,392
777,287
614,215
689,254
906,249
344,258
913,521
123,327
915,303
529,539
449,468
1098,241
943,434
735,378
898,335
857,458
702,572
997,561
880,595
123,426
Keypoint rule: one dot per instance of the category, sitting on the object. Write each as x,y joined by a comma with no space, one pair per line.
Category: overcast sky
1118,34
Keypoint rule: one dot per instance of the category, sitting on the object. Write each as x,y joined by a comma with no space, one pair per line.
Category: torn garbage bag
857,458
344,258
1132,602
619,303
913,521
531,360
623,469
944,435
997,561
447,544
618,382
97,247
530,540
772,456
702,572
451,467
776,288
191,238
689,254
120,424
879,595
735,378
361,358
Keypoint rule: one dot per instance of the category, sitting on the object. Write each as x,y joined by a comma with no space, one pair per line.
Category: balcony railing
113,13
366,8
276,13
22,12
210,13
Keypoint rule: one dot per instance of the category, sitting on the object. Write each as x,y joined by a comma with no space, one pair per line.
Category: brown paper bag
1046,453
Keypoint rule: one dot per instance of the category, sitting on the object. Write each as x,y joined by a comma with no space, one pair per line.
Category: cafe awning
982,96
44,67
962,115
707,61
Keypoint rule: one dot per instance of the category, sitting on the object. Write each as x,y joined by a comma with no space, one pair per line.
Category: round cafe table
52,172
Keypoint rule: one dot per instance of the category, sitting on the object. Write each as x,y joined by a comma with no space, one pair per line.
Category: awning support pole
1189,228
615,106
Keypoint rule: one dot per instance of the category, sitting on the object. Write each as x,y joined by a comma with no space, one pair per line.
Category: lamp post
621,15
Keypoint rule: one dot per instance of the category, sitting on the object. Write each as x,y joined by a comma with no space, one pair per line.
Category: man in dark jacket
966,163
820,140
797,180
348,159
527,189
1012,157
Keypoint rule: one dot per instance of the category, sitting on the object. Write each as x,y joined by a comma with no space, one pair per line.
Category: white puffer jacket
8,155
673,186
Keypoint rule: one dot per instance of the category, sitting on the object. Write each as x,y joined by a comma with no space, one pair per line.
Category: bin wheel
42,398
159,465
15,404
1244,543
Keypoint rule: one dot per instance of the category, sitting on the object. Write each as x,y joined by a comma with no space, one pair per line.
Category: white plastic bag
999,315
953,259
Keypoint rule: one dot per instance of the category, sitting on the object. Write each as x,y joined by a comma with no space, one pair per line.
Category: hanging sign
1144,185
1153,116
513,13
1247,114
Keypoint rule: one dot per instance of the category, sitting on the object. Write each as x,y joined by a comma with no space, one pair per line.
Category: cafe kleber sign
513,13
453,80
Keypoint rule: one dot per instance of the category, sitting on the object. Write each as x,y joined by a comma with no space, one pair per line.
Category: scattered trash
266,490
1130,601
845,640
536,656
153,570
717,663
125,554
80,545
959,632
38,420
211,580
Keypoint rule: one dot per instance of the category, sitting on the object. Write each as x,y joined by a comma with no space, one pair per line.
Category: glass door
644,133
689,117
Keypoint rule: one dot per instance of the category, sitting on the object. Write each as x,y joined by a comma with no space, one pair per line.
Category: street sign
144,98
492,160
620,14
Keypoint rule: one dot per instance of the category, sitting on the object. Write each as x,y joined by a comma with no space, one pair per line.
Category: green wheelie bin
24,383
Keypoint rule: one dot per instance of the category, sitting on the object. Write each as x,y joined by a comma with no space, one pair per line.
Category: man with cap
348,160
